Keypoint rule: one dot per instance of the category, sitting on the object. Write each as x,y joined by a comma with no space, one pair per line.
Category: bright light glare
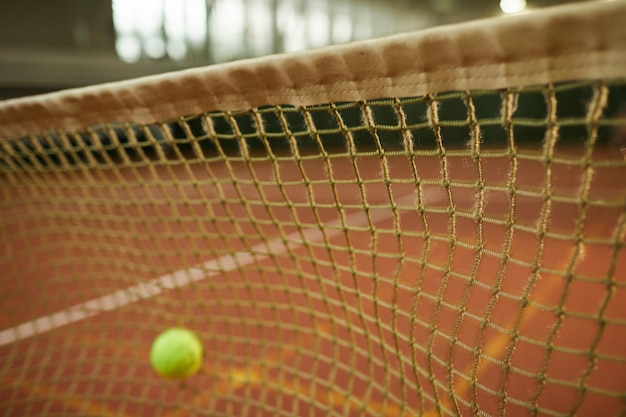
174,26
290,19
147,17
128,48
141,24
174,23
363,28
259,24
177,49
155,47
223,30
319,27
123,17
196,21
512,6
227,29
342,28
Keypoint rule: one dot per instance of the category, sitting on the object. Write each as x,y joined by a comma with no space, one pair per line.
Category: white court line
184,277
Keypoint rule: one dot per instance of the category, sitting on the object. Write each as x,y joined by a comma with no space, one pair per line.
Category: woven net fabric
458,252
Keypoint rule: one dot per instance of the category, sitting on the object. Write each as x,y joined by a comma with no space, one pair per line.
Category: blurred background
52,45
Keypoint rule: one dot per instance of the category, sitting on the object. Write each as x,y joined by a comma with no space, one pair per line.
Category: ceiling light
512,6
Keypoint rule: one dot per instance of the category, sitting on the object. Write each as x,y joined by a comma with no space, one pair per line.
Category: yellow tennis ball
176,353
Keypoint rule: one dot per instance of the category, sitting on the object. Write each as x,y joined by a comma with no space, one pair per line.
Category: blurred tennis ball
176,353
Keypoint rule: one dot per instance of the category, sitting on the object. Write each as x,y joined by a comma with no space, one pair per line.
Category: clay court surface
350,318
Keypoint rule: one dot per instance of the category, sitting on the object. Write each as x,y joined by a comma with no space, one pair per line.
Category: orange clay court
301,320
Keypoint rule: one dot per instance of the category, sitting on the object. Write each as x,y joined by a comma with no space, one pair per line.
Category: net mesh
451,254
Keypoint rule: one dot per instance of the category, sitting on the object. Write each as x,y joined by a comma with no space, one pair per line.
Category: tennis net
426,224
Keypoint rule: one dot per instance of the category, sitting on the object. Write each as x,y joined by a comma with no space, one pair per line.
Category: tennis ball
176,353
